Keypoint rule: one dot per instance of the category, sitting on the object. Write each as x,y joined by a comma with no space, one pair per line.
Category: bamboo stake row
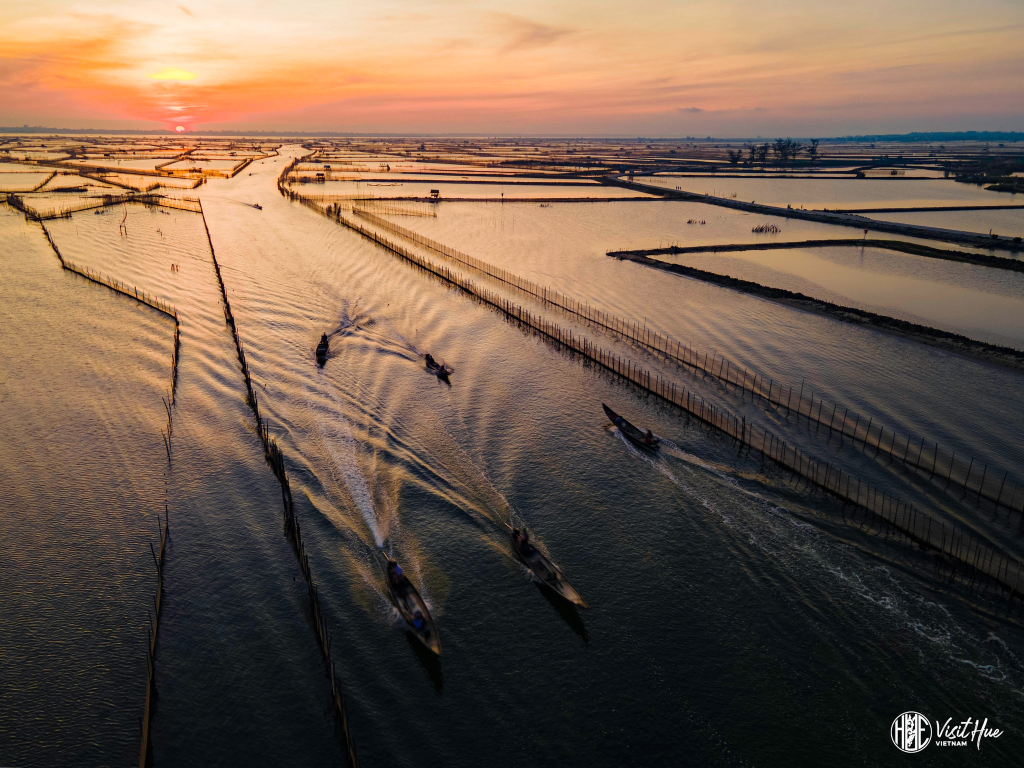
131,292
275,458
392,208
154,627
918,454
972,559
104,201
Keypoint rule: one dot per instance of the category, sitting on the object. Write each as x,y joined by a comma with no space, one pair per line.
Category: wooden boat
409,603
645,440
438,369
321,350
544,569
257,206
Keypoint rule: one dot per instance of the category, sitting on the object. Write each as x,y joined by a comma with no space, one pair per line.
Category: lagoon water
845,193
733,620
1007,223
979,302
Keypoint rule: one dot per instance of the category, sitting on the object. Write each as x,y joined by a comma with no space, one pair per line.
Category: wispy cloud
523,33
583,67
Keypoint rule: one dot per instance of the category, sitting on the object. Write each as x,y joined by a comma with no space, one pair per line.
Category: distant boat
440,370
409,603
321,350
645,440
544,569
257,206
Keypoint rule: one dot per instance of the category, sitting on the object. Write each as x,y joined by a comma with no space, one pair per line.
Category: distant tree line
782,151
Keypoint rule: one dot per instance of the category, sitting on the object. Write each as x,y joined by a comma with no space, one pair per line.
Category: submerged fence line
930,457
393,208
888,514
154,627
143,189
275,458
131,292
158,558
103,201
160,170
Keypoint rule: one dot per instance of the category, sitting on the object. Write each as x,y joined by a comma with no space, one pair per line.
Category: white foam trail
797,545
335,434
650,458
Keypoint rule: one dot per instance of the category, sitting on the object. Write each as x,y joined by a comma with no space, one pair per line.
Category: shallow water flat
219,165
82,371
978,302
385,456
65,181
838,193
455,179
564,247
21,182
509,191
1005,223
236,650
725,604
131,163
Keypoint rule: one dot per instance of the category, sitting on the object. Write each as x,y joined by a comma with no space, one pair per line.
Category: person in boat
522,540
417,620
323,339
431,362
395,575
649,437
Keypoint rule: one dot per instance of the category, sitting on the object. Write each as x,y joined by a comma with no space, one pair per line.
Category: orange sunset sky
644,67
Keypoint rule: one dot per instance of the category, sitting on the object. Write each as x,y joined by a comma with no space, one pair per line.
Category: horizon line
908,136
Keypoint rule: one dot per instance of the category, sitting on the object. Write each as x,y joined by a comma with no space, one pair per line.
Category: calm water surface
843,193
979,302
733,621
1005,223
881,376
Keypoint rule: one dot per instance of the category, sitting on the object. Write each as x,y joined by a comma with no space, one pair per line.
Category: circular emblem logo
911,732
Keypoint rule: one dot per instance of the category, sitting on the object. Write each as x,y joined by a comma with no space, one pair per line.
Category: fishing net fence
972,556
915,452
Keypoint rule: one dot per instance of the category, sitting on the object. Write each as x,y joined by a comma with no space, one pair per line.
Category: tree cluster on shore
783,151
997,171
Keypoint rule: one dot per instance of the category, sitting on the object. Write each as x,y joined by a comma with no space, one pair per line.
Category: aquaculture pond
838,193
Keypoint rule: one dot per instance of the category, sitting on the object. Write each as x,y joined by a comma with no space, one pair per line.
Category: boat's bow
547,572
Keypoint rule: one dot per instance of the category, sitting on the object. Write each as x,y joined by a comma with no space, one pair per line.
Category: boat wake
334,436
656,460
809,555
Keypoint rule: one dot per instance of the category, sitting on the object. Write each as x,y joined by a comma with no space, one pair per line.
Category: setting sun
172,73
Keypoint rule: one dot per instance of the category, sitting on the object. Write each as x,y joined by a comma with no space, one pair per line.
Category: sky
647,68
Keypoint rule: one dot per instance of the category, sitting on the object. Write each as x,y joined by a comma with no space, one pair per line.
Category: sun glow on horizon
627,68
174,74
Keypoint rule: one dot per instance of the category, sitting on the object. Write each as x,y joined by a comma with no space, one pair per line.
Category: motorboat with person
546,571
409,603
257,206
643,438
441,370
321,350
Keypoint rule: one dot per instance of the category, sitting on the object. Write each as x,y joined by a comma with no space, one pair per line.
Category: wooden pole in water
999,496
